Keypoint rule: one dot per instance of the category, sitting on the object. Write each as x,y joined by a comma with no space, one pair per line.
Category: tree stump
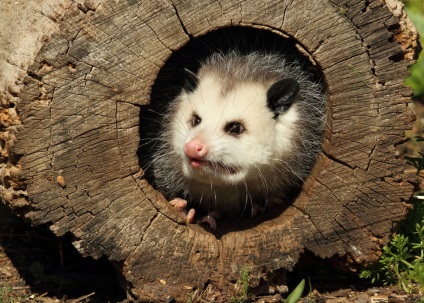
71,98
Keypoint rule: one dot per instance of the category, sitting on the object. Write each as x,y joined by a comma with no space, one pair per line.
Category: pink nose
195,149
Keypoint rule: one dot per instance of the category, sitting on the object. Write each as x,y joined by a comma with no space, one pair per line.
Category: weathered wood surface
71,97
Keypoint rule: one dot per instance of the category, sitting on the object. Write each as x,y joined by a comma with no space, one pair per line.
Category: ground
36,266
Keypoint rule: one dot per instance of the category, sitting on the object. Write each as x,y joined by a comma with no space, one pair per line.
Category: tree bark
76,73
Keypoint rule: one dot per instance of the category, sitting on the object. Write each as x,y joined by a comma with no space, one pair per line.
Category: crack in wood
183,27
283,17
104,62
333,158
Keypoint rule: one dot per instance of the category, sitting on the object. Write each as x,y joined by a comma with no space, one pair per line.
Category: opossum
243,131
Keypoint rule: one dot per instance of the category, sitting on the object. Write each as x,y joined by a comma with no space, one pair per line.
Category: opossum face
232,137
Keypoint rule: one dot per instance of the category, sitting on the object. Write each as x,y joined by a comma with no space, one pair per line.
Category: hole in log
169,84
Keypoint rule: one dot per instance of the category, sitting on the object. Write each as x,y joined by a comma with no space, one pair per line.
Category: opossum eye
195,120
234,128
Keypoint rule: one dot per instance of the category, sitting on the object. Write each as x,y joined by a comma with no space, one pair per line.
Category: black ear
282,94
190,81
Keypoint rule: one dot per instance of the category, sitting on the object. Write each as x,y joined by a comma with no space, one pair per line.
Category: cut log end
71,131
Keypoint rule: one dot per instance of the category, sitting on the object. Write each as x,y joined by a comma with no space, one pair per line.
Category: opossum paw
181,206
256,208
190,216
273,201
210,219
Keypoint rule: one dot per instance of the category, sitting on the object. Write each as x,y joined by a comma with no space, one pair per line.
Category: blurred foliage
415,10
402,260
414,6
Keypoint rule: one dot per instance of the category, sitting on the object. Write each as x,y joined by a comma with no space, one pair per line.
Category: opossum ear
191,80
282,94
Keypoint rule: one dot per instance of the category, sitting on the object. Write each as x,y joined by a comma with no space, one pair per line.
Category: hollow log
75,74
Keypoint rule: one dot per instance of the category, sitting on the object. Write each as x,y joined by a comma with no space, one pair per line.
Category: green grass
4,293
296,294
7,295
402,261
242,295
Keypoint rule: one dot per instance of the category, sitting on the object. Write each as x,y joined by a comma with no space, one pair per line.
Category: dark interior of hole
322,275
170,81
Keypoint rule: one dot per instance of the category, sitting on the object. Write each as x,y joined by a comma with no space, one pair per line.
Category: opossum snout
195,149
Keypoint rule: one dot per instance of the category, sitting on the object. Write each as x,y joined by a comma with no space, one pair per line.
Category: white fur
272,155
263,142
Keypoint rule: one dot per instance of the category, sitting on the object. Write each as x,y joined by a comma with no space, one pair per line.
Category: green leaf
419,274
417,162
418,138
295,295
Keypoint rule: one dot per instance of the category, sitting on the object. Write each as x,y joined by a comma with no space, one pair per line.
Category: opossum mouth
212,165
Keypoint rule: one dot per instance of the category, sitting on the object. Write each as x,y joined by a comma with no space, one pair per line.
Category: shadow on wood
71,135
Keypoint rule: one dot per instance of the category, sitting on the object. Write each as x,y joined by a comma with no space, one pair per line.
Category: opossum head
233,133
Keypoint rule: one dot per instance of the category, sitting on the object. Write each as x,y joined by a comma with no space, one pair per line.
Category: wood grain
70,135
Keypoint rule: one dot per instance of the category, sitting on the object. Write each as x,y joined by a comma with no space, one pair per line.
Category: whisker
241,170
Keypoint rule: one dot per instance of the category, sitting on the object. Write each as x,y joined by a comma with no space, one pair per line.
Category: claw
179,204
210,219
256,208
273,201
190,216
